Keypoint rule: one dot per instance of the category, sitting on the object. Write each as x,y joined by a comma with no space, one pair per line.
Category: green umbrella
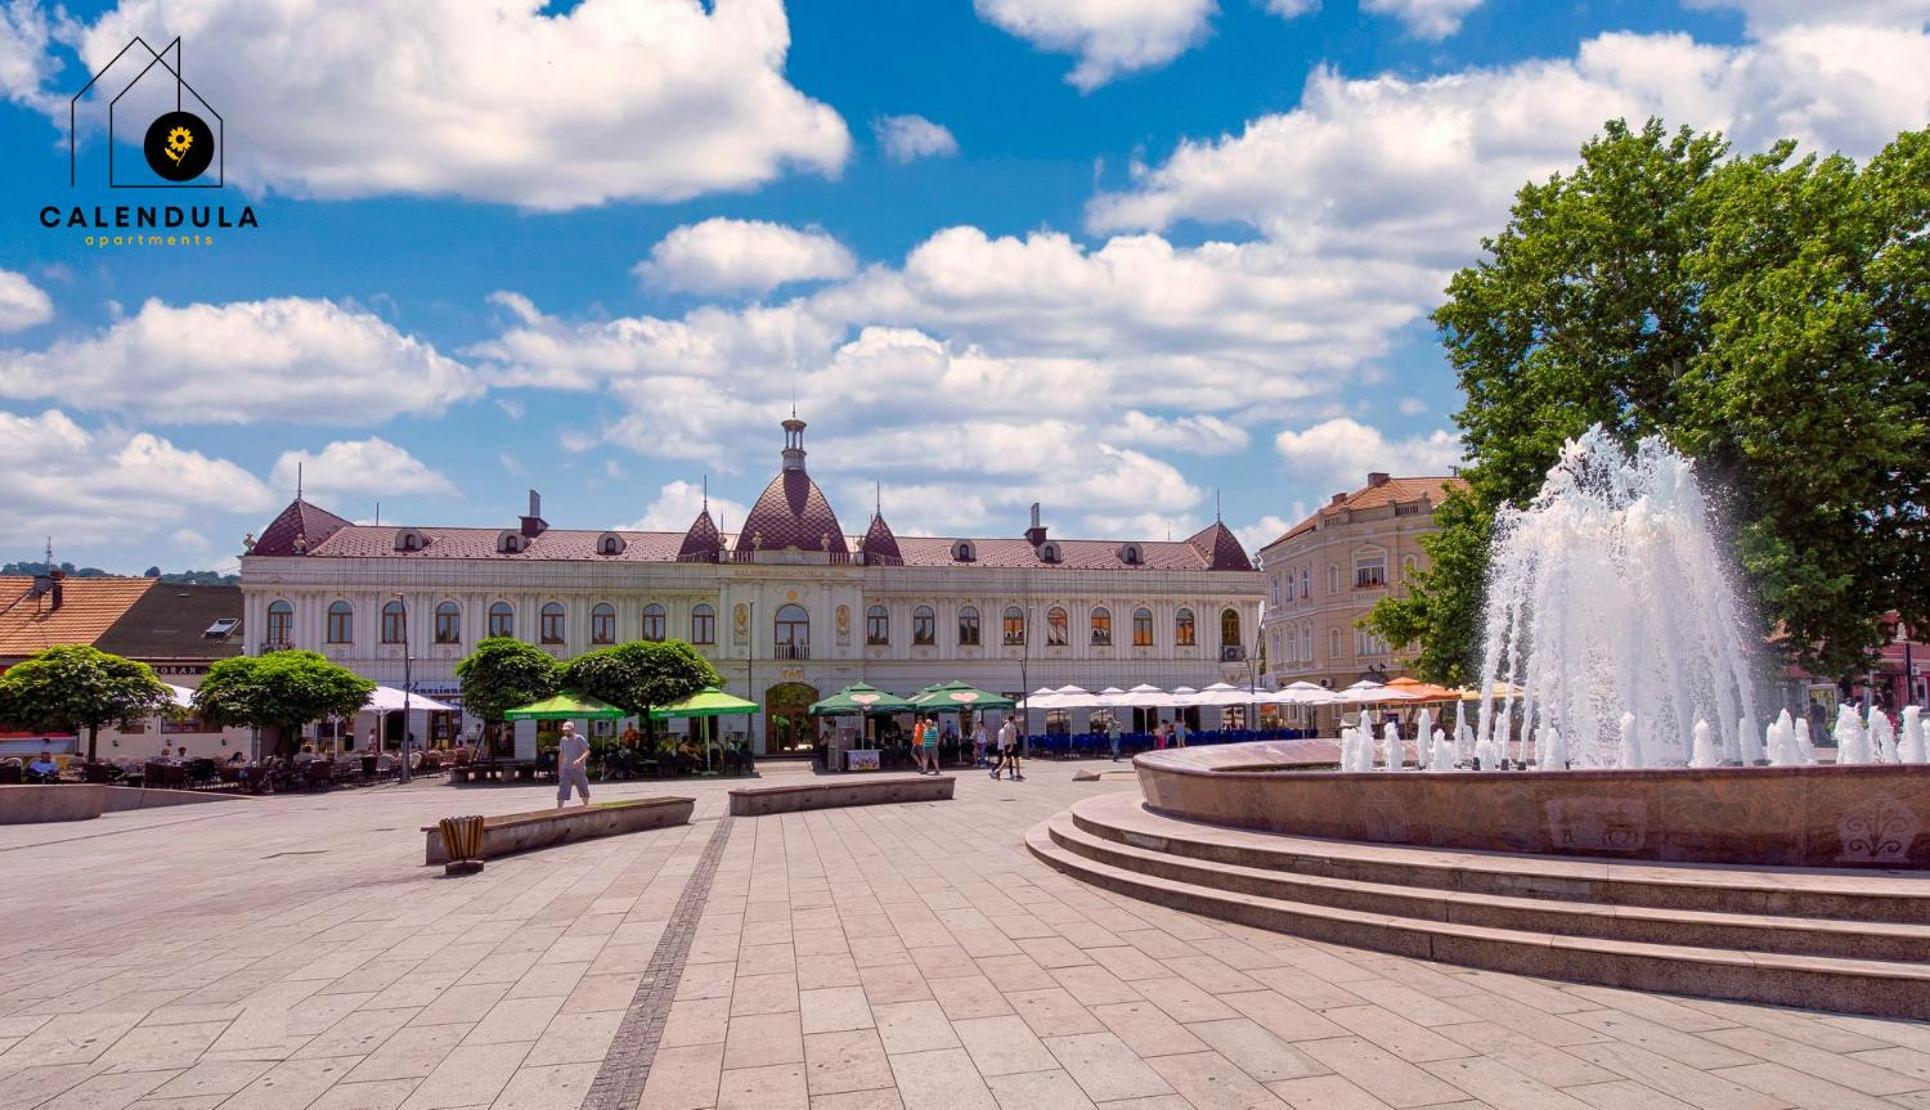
950,697
566,707
858,699
707,702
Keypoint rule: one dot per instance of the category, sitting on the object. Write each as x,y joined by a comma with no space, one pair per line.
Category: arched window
1049,551
655,622
551,627
1230,628
968,627
609,543
509,542
393,618
603,623
964,552
792,633
502,619
448,623
1014,625
1101,626
409,539
1058,627
1407,567
1333,579
1306,583
1306,643
703,625
1183,633
1131,554
1142,628
1333,645
924,626
281,625
877,625
341,623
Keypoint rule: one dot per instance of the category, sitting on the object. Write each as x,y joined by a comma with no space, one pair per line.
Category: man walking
1112,735
1008,751
572,766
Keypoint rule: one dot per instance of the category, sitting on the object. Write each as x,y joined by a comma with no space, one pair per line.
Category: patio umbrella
950,697
1075,697
183,697
1305,693
1045,697
1145,694
1111,695
1424,691
707,702
1224,694
857,700
385,698
1372,693
566,707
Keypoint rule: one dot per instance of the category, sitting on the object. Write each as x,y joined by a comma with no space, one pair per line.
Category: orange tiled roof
1392,491
89,607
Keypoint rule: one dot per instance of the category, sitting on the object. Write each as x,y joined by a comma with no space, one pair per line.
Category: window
1286,585
341,623
281,624
1306,584
603,623
792,633
1274,597
654,622
393,621
1183,633
1407,567
1333,579
1333,645
1306,643
1131,555
1014,625
552,622
1049,551
964,552
877,626
968,627
1101,627
703,625
510,543
1411,508
448,623
609,543
502,619
1057,627
1142,628
1370,571
1366,643
1230,628
924,626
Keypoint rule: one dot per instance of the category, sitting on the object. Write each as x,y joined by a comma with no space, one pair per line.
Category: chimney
1376,479
1035,535
57,576
534,524
1337,499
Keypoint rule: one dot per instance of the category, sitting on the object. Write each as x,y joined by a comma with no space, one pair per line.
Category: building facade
789,609
1325,573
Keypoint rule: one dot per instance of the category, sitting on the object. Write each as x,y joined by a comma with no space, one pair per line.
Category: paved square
293,952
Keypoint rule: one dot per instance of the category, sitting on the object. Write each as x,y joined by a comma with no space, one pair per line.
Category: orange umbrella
1423,691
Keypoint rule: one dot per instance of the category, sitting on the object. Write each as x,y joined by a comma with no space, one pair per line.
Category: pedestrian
1159,737
931,744
918,743
1179,733
572,766
1112,735
1008,752
978,742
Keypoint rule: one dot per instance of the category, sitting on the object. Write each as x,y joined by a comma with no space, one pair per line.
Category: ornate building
788,609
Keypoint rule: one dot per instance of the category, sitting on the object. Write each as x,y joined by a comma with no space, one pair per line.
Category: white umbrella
1222,694
1145,694
1112,695
1303,693
386,698
1045,697
1075,697
183,696
1371,693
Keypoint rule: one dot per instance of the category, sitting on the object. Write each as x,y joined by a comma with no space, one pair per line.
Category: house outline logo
179,146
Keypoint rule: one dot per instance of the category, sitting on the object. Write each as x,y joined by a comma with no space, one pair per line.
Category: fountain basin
1875,816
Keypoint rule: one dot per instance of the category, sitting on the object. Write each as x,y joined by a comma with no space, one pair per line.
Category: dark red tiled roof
792,512
1222,551
880,546
998,553
1393,491
366,540
300,527
701,542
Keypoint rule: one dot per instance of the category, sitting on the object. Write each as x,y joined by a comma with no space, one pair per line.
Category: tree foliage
503,673
282,690
1768,316
641,674
75,686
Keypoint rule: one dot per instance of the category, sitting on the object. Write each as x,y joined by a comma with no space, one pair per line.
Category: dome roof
880,546
792,512
701,542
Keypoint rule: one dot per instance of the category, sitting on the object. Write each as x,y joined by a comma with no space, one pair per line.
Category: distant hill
172,578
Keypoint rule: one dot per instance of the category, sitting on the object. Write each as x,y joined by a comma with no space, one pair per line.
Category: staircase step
1862,986
1698,928
1816,893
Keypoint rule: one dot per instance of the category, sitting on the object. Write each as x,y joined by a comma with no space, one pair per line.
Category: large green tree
1765,315
641,674
503,673
282,690
75,686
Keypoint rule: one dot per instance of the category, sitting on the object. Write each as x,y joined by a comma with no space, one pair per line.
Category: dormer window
510,542
1049,552
410,539
1131,555
964,552
609,543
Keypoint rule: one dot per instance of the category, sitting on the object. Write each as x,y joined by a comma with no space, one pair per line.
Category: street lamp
1025,682
403,774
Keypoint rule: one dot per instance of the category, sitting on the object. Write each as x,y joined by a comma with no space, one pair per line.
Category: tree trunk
93,738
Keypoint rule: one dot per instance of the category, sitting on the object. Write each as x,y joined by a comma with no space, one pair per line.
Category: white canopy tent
183,697
386,698
1372,693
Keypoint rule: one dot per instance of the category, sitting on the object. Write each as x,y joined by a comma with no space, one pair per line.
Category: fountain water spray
1882,734
1607,596
1912,748
1852,743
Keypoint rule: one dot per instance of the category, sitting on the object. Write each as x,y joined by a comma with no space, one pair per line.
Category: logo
178,146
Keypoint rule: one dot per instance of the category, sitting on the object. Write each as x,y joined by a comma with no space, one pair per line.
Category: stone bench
544,828
32,804
755,801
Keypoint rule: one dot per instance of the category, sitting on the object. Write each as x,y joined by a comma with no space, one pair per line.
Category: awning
566,707
385,698
707,702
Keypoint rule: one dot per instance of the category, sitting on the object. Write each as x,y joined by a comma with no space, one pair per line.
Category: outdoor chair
319,774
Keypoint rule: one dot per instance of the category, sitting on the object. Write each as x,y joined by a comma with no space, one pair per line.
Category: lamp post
1025,682
407,682
750,670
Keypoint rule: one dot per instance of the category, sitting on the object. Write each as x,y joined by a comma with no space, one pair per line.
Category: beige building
1325,573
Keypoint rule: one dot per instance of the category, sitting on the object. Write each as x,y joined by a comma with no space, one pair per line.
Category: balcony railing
792,651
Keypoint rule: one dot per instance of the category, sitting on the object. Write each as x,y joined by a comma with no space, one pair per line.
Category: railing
791,651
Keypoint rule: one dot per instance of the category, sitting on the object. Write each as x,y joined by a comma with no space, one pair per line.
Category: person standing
918,743
1179,733
1112,735
978,742
932,735
572,766
1159,737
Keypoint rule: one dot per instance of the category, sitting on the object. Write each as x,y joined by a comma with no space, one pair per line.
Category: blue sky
1133,256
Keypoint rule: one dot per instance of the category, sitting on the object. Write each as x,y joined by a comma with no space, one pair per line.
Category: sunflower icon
180,139
179,146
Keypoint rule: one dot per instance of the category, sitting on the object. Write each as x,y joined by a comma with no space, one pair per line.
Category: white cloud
290,359
1292,9
678,503
729,256
1426,19
1343,451
908,138
1197,434
1262,532
22,303
1111,37
492,100
1763,15
190,540
371,466
65,480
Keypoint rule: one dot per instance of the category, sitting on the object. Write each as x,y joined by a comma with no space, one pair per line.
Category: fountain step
1810,893
1879,987
1698,928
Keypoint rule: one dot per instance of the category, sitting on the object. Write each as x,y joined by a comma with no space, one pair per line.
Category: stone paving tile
941,1079
1104,1067
836,1063
1038,1090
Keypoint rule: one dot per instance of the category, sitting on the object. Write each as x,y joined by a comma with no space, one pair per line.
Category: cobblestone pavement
293,952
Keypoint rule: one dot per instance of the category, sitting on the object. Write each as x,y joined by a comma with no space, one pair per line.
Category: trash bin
462,841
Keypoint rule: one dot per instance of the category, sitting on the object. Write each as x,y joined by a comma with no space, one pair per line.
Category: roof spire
706,493
878,498
1216,506
298,480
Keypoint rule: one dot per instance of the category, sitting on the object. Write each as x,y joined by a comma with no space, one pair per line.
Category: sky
1143,261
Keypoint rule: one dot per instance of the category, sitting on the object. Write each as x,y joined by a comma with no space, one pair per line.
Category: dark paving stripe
619,1082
